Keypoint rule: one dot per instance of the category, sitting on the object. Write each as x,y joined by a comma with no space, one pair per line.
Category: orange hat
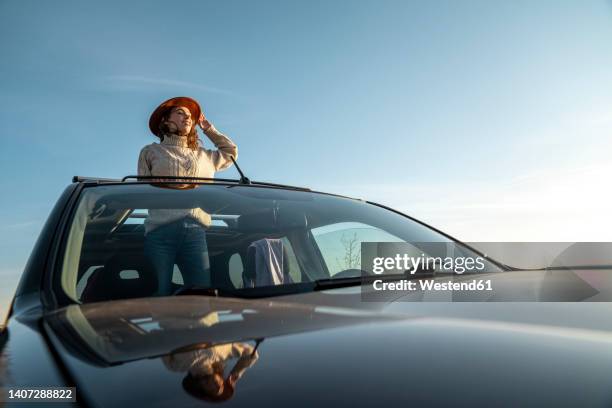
160,111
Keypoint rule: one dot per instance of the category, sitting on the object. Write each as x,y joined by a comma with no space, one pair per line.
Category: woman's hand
203,122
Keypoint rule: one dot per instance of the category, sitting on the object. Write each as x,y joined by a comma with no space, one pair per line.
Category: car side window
82,283
294,267
340,244
236,268
177,276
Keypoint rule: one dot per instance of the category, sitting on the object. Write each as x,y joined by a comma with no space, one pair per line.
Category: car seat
108,282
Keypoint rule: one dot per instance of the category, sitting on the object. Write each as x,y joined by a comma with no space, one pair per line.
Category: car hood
329,347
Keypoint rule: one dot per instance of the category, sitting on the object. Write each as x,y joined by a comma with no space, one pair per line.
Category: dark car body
316,347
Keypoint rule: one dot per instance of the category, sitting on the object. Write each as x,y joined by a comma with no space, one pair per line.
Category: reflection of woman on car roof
178,235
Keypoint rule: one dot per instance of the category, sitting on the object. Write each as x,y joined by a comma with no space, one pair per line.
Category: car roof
133,179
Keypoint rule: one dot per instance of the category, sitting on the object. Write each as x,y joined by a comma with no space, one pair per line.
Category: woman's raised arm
220,158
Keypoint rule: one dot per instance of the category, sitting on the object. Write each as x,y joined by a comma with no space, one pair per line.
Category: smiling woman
178,235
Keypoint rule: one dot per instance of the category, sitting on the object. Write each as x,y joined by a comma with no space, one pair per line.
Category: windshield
142,240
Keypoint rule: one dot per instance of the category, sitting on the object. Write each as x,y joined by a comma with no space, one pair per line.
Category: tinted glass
238,236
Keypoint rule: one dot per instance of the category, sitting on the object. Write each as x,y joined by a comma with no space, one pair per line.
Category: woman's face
180,120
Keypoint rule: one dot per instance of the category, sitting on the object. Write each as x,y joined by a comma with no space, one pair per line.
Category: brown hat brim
160,111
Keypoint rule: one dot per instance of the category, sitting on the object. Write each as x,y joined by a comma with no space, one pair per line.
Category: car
86,313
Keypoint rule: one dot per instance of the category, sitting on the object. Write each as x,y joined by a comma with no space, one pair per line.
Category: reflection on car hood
124,330
329,347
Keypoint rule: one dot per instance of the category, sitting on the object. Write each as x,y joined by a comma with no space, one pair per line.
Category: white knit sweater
172,157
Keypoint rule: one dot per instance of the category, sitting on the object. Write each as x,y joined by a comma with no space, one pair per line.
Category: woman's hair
195,386
192,138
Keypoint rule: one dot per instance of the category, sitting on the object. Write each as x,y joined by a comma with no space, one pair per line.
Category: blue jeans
182,242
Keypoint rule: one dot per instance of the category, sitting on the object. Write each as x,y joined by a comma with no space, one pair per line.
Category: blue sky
491,120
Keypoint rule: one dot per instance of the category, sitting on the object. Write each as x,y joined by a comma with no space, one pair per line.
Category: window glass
294,267
340,244
201,236
235,270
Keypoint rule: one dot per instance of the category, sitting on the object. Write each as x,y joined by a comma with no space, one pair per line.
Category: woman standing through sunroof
178,236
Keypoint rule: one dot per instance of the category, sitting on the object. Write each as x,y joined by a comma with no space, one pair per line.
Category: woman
178,235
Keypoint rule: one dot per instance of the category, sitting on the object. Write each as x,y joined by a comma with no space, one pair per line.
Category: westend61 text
429,284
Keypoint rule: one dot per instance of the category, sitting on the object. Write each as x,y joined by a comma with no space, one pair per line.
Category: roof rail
80,179
242,181
179,178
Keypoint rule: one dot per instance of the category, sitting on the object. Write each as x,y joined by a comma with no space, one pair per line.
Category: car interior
113,265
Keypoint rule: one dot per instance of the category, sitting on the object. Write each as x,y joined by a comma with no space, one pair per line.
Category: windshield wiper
247,293
293,288
330,283
200,291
